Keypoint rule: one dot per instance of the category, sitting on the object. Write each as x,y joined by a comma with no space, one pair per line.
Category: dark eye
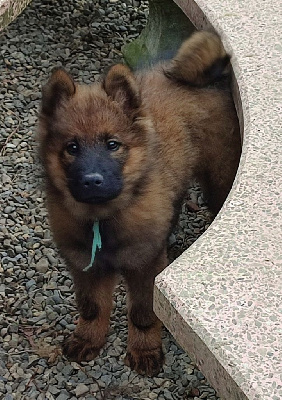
72,148
113,145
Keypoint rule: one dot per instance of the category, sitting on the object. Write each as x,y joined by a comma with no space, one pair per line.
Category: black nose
92,180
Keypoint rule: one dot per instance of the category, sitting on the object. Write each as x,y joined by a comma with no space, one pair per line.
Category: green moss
166,29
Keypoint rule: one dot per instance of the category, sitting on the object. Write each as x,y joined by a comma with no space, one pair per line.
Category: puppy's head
94,141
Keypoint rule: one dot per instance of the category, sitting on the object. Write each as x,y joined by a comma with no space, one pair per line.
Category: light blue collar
96,243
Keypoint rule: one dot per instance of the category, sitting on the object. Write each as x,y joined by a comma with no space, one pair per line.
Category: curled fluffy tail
201,60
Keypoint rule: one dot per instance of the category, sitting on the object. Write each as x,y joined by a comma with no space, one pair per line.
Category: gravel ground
36,296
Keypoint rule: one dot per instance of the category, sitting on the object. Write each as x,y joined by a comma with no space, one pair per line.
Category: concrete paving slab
222,298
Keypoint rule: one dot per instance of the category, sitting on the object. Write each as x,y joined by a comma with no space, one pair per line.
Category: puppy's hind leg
144,350
94,300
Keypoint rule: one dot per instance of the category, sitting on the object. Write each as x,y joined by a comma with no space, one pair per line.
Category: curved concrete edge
221,299
10,9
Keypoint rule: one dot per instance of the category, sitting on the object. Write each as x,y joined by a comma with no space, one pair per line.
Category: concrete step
10,9
221,299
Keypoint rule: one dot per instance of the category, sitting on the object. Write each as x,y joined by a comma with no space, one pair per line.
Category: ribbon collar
96,243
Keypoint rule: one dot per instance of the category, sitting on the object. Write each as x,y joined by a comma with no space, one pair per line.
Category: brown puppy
122,153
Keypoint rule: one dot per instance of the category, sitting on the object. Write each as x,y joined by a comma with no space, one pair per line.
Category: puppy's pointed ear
59,87
121,86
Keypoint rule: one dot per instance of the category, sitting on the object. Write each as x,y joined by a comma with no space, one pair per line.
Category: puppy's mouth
90,196
95,200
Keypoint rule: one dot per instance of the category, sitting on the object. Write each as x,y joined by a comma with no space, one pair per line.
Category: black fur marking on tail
215,72
212,74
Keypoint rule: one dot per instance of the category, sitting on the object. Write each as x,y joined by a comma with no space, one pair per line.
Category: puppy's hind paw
145,362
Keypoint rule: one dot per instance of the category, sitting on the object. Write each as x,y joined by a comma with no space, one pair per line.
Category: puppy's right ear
59,87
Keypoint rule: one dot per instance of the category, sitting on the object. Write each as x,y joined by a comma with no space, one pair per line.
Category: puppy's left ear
121,86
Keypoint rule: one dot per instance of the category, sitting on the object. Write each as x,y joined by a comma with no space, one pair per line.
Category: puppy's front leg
94,301
144,350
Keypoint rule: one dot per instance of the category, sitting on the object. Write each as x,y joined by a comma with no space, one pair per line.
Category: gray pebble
30,274
9,209
63,396
70,327
53,389
42,265
67,370
52,316
81,389
30,284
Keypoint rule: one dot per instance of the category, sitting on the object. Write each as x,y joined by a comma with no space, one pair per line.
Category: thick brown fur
170,133
200,60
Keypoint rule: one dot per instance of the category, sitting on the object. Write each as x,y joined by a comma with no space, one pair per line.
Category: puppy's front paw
78,349
145,362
